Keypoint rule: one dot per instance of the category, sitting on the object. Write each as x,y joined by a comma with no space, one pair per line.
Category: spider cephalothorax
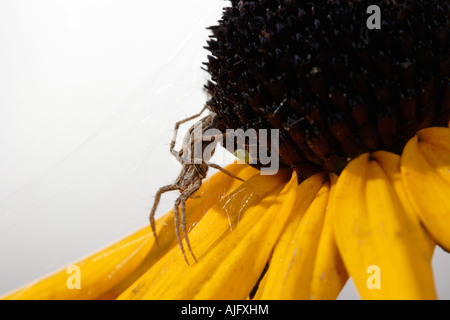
195,167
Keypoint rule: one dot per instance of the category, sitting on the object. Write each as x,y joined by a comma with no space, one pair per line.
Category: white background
89,93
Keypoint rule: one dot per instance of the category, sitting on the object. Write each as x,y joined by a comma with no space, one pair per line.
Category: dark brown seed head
334,88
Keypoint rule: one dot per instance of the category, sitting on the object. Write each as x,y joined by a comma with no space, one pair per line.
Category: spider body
197,149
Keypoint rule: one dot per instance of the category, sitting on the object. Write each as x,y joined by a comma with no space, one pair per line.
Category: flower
274,238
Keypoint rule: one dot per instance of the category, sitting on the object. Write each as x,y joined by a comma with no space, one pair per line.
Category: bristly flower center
333,87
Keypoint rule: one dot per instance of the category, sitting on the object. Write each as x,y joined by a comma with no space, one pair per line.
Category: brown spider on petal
195,168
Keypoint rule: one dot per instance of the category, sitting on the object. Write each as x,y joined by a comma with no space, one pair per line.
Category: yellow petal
212,190
108,272
295,260
277,280
438,158
390,164
96,274
376,238
434,144
172,278
438,136
248,247
329,276
427,185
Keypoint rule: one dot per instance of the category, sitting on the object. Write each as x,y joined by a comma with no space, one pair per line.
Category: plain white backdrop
89,93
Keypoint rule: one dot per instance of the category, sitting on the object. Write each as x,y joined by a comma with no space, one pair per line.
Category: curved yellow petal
249,247
376,237
329,276
108,272
438,136
279,282
304,251
212,190
96,274
426,183
438,158
172,278
390,163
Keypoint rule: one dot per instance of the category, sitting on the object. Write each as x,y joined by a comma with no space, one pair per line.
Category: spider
192,174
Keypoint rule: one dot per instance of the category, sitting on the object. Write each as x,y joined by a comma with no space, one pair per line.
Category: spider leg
216,166
184,196
160,191
177,125
178,155
177,227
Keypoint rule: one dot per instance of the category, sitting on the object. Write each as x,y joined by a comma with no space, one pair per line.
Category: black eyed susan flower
365,147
